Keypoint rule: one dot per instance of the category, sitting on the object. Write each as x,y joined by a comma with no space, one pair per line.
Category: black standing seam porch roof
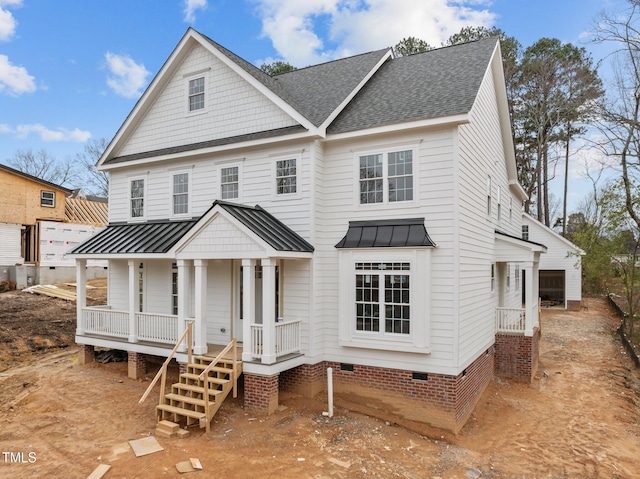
394,233
160,236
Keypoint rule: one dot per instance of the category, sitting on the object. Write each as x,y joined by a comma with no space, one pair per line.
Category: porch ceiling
513,249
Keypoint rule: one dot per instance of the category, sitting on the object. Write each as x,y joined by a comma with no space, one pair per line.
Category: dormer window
196,94
48,198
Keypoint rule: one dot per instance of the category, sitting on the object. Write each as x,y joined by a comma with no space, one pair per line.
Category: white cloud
355,26
61,134
190,7
127,78
14,80
7,22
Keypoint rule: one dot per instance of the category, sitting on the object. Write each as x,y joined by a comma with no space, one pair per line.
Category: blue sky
71,70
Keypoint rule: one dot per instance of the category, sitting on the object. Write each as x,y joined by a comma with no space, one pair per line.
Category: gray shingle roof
319,90
433,84
427,85
394,233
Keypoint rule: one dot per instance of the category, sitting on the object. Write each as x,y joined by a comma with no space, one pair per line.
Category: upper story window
386,178
137,198
181,194
493,277
48,198
499,204
525,232
196,94
229,182
286,177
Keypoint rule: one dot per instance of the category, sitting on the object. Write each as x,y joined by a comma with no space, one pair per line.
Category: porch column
81,294
531,299
183,300
132,301
536,291
248,306
200,335
268,310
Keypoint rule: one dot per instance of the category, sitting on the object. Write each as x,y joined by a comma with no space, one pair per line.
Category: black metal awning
394,233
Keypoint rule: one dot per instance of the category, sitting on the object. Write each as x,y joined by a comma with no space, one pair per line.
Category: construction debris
51,290
145,446
99,471
110,356
170,429
192,465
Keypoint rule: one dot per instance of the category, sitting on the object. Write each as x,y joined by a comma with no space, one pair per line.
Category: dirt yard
579,419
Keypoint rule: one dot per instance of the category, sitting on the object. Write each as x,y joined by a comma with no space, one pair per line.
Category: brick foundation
261,393
86,354
137,365
574,305
517,356
436,400
307,380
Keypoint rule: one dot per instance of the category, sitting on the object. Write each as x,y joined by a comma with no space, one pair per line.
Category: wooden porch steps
187,401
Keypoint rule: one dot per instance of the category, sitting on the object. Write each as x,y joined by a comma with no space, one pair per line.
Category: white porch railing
104,321
287,336
157,328
510,320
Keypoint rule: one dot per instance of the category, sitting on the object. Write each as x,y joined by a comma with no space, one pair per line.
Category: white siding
218,302
560,255
10,241
297,296
118,285
481,155
232,107
256,182
220,236
337,204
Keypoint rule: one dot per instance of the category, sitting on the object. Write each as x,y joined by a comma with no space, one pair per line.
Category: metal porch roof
394,233
136,238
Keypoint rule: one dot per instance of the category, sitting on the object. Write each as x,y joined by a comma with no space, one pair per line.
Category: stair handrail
204,376
188,332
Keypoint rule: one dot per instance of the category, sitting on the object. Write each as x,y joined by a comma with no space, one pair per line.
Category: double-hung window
137,198
180,194
229,183
196,94
286,177
48,198
386,177
382,297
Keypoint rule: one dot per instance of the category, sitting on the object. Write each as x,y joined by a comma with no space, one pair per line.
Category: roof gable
433,84
35,179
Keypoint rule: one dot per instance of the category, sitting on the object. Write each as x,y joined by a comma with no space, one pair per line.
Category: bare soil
578,419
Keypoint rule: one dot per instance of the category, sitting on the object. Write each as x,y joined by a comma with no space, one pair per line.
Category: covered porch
236,272
517,271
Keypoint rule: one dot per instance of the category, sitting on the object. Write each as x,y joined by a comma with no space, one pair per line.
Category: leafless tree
95,181
45,166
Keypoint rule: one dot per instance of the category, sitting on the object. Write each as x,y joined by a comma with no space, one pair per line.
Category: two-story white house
362,214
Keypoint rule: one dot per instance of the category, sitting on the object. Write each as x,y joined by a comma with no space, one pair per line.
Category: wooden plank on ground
53,292
99,471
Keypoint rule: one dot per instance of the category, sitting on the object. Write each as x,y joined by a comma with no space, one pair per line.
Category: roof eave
449,120
213,150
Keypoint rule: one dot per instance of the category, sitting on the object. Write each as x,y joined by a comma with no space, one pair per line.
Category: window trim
230,165
385,151
525,232
207,96
274,182
144,197
52,199
418,338
493,278
172,174
489,199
